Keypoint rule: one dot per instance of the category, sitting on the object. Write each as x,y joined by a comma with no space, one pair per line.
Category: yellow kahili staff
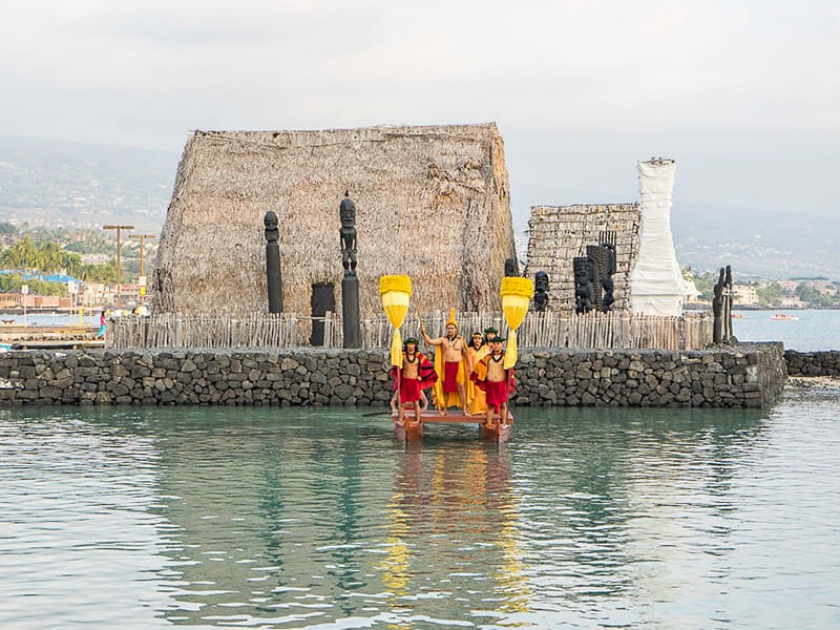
516,296
395,291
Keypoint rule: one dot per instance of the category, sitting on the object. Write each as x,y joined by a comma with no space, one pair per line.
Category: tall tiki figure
608,242
582,267
728,295
272,263
350,283
718,330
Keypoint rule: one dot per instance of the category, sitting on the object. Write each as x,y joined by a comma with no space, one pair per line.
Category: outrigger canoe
409,429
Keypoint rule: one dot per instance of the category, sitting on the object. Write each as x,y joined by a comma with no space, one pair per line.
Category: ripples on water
267,518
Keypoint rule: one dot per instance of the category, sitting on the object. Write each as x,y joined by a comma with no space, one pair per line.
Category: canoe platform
409,429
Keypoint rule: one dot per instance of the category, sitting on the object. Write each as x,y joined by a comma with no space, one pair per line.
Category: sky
742,93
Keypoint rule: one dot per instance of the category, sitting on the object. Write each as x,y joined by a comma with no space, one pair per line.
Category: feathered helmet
451,319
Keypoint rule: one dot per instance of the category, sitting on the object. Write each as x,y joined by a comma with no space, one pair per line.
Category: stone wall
751,375
825,363
746,376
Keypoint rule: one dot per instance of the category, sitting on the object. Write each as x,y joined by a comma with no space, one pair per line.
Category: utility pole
142,238
119,229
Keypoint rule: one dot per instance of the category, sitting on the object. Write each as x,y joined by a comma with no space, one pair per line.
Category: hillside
46,183
43,183
754,242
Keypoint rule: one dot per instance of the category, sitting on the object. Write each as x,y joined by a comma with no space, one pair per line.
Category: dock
65,337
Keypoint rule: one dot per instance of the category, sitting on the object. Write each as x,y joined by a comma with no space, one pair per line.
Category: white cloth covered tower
656,284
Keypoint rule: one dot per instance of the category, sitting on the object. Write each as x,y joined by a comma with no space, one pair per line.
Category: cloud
613,81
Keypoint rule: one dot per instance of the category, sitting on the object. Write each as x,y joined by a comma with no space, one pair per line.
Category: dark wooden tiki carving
511,268
347,234
608,242
540,301
583,269
272,263
351,318
718,308
598,255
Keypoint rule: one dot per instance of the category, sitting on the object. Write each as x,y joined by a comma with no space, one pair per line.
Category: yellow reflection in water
466,495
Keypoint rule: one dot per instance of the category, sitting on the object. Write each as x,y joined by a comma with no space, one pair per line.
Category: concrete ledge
749,375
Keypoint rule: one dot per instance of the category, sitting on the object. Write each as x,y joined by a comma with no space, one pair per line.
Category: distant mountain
754,242
85,185
54,183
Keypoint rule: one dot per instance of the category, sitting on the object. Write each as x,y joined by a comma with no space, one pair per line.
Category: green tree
771,295
705,283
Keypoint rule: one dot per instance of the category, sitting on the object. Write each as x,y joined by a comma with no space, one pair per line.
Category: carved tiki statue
541,291
347,233
583,269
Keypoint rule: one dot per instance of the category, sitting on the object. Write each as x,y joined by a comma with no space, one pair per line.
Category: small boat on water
410,430
784,317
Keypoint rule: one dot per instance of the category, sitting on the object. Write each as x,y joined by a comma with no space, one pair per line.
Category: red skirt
496,393
450,376
409,390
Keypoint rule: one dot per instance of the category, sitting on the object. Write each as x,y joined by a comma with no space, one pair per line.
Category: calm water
268,518
812,330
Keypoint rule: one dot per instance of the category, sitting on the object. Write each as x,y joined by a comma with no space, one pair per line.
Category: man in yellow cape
478,350
453,367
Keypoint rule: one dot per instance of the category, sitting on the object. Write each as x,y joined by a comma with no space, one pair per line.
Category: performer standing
453,366
416,375
498,382
477,351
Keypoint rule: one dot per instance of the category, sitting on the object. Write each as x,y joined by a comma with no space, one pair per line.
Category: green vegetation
7,228
705,283
816,292
13,281
36,252
816,298
771,295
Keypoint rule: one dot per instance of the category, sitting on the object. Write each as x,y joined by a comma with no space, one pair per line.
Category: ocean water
812,330
51,319
298,518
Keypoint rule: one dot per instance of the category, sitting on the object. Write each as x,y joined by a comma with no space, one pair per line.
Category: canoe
409,429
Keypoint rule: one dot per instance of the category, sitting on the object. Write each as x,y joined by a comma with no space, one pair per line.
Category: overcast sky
744,94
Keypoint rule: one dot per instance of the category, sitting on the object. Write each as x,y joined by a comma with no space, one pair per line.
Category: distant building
691,292
791,302
745,295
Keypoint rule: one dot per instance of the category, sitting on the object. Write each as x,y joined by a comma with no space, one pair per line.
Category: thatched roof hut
432,203
560,233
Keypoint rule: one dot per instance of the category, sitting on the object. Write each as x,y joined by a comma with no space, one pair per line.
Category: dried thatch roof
432,203
559,233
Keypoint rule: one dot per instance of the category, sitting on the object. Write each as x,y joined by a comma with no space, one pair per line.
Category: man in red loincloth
416,375
498,382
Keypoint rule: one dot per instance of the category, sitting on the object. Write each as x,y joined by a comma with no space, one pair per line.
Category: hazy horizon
742,95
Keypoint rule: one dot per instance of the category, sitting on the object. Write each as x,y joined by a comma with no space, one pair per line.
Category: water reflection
454,532
304,519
